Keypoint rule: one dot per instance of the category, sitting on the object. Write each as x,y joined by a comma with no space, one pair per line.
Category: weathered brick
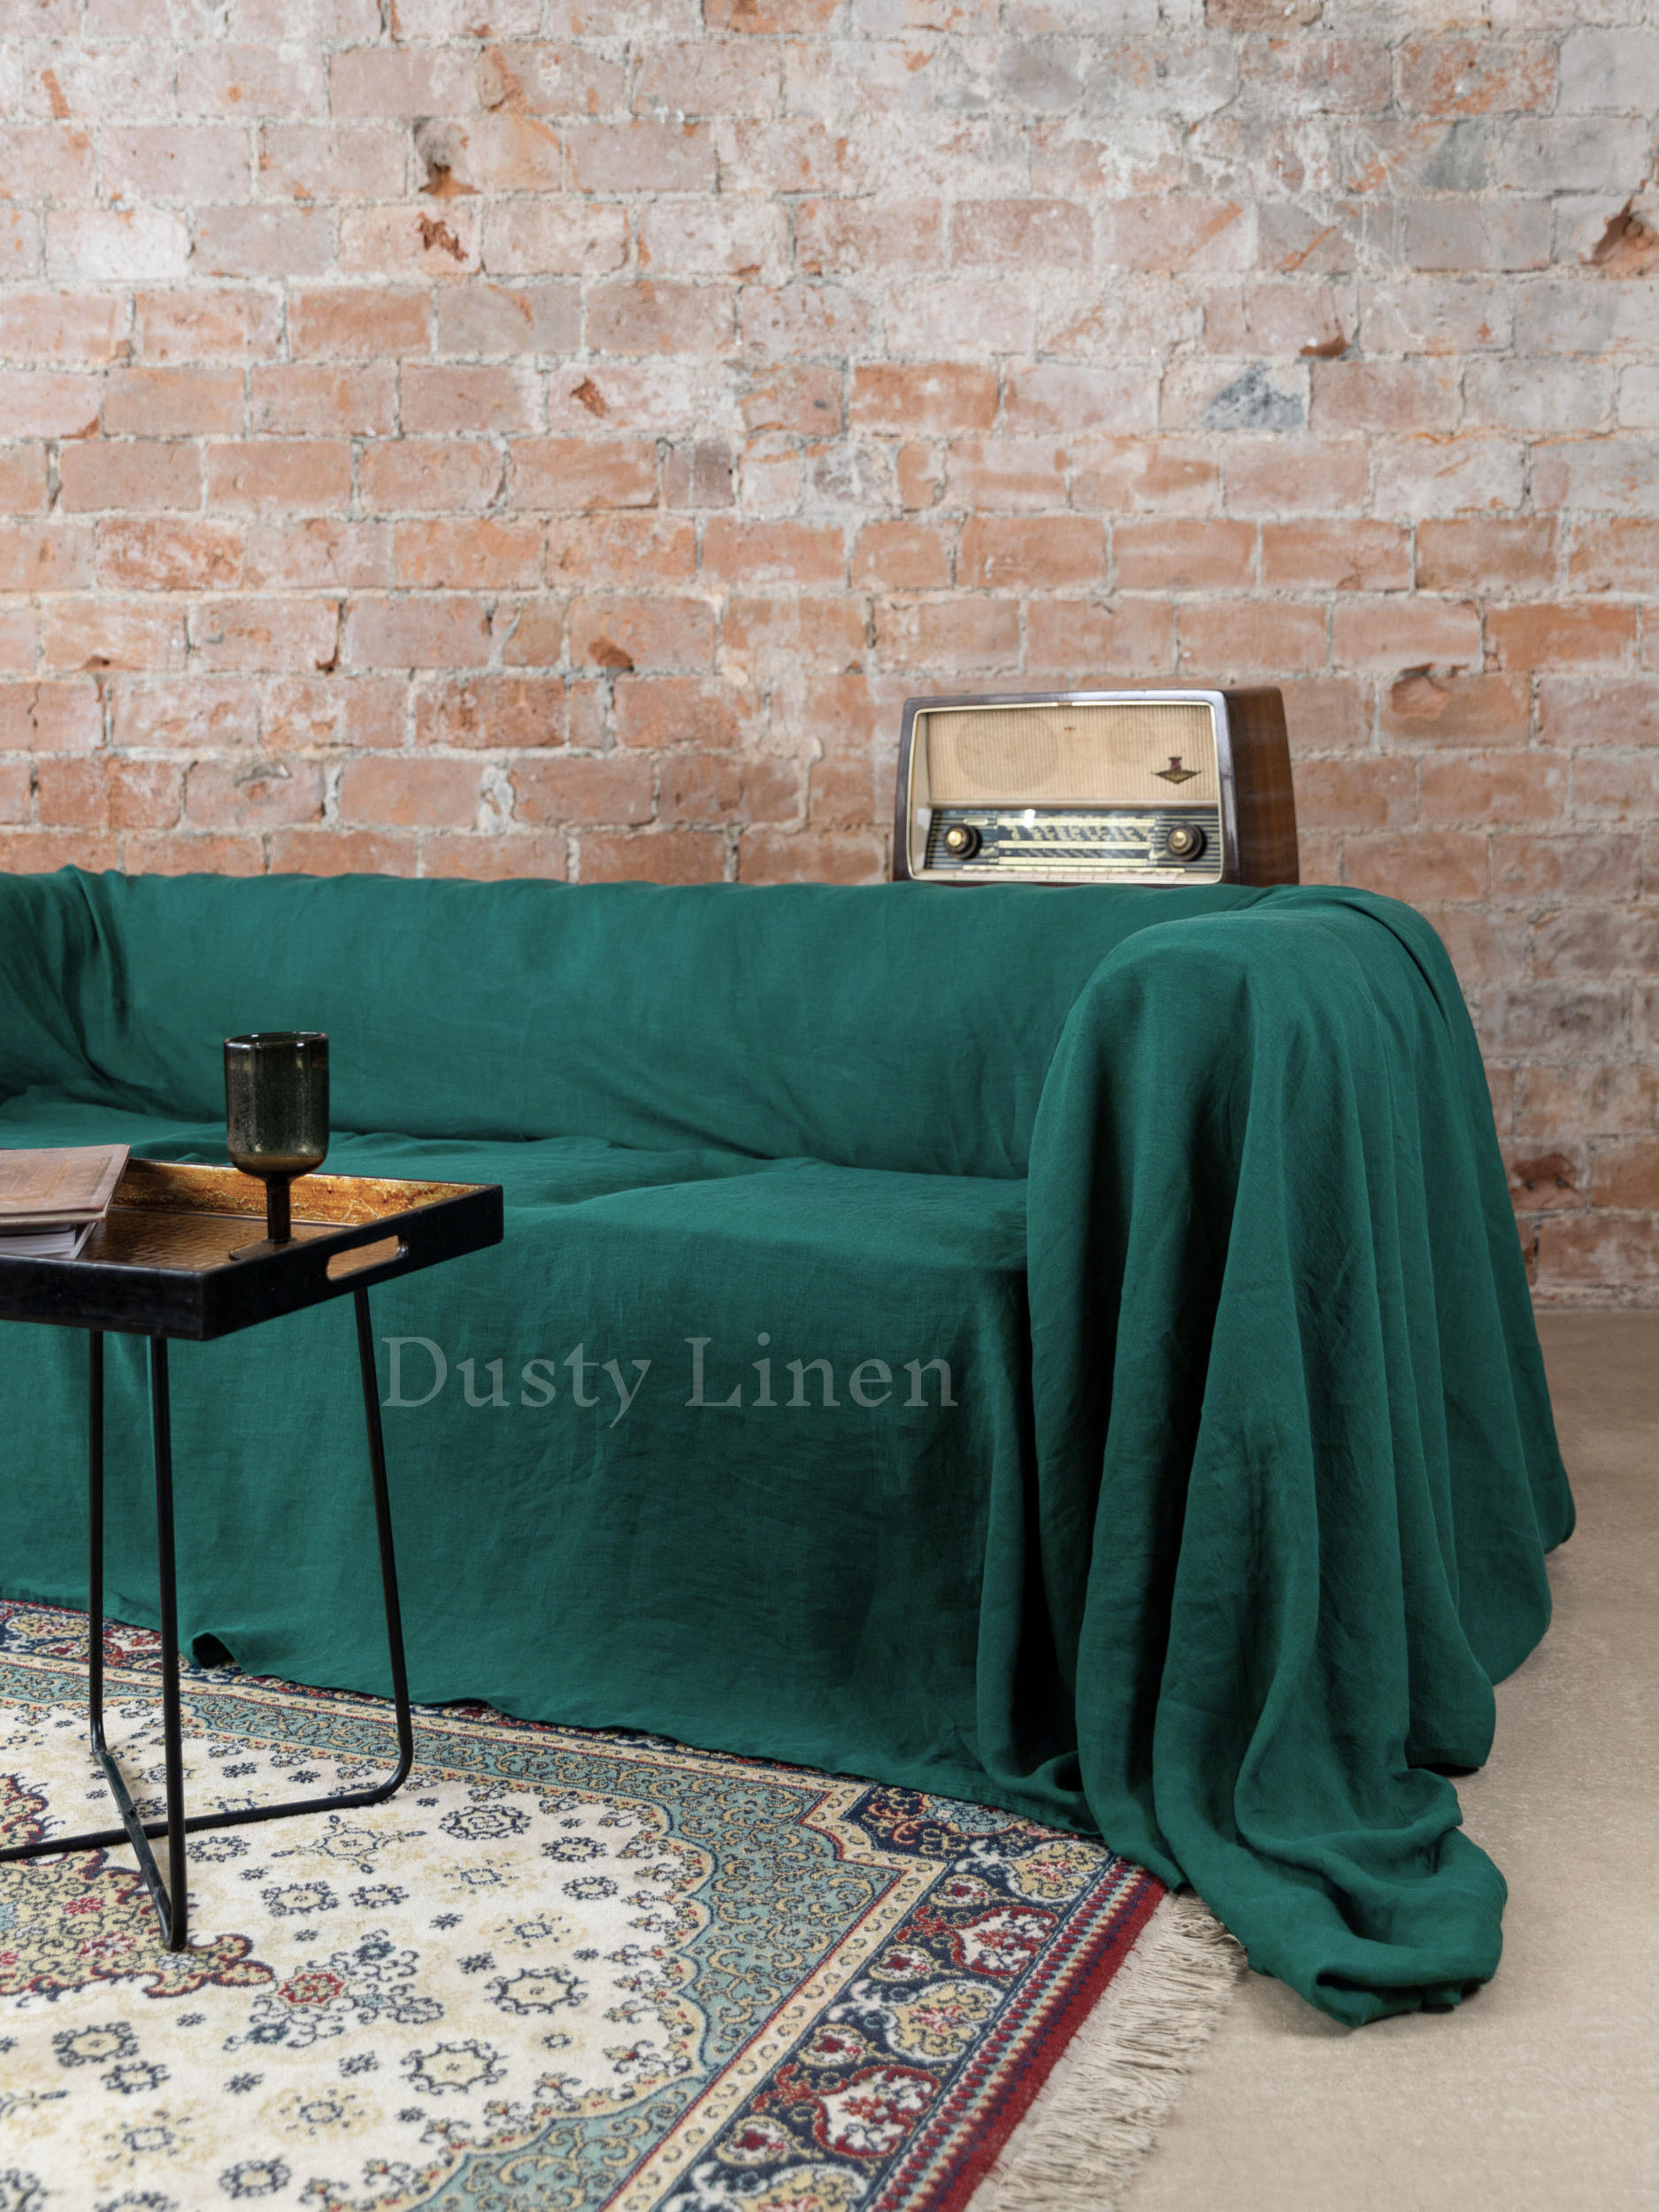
427,475
1077,639
1496,788
493,713
572,475
1485,555
479,554
624,632
393,81
259,635
40,403
518,320
174,161
640,156
1445,706
294,473
318,553
496,859
84,328
1008,473
1475,76
250,80
50,718
55,557
1614,475
657,315
1398,634
305,399
1528,869
415,633
756,554
192,853
169,554
1020,234
614,789
87,636
1225,636
902,557
555,238
1414,477
355,322
328,162
264,242
1169,556
120,244
837,236
812,856
1355,555
1596,710
225,323
335,711
763,637
553,78
199,712
172,403
411,242
1292,475
146,473
341,852
1549,637
1371,792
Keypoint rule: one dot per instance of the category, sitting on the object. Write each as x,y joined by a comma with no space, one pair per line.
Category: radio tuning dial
962,841
1186,841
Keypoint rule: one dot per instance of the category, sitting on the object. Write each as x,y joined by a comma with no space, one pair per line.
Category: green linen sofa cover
1062,1349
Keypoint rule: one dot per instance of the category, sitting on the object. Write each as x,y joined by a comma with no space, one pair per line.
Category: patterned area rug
560,1970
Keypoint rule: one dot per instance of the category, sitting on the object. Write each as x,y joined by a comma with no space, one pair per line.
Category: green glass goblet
276,1112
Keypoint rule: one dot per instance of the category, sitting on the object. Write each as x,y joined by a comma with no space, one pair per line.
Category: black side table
182,1253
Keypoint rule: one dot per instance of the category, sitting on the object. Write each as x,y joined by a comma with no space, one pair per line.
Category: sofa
1062,1348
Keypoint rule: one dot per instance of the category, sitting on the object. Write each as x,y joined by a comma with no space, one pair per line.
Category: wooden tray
182,1250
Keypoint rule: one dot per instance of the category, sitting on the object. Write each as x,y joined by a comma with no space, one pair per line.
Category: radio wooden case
1096,786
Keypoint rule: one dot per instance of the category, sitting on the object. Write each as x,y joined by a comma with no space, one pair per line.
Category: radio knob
962,841
1186,841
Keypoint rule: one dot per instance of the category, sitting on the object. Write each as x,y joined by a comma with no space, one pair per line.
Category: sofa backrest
898,1026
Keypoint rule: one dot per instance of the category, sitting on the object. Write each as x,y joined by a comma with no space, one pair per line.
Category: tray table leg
171,1900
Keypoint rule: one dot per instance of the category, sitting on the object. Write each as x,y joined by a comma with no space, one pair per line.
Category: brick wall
553,436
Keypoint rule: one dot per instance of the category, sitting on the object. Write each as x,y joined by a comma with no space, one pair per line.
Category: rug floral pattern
561,1971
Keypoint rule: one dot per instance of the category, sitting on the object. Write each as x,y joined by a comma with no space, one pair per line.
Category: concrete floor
1542,2094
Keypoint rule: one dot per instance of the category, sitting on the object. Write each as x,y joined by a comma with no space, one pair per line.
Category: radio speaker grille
1107,755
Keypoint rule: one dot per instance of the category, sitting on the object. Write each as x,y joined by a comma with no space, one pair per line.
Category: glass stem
276,1209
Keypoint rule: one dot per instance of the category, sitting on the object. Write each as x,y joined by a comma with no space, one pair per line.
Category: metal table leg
172,1898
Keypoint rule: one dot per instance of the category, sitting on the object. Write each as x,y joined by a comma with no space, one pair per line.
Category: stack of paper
50,1202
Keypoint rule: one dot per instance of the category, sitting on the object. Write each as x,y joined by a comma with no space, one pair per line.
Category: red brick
1528,871
1229,636
496,859
54,557
1545,1182
144,795
16,799
532,633
1494,788
1433,707
169,555
622,632
603,551
269,241
477,556
902,557
676,856
741,787
856,236
147,473
796,395
409,793
479,318
427,475
1586,1100
355,322
292,473
493,713
88,328
921,475
1419,865
265,635
1597,710
17,640
500,153
1551,637
555,237
88,636
193,855
938,396
659,316
198,711
569,475
766,636
1288,475
612,788
659,710
469,399
1398,634
1020,234
1184,555
74,794
1607,787
171,402
640,156
35,852
812,856
331,852
1145,476
306,399
333,710
1412,396
428,633
22,480
41,403
1082,639
749,554
1371,792
850,793
1355,555
319,553
255,794
225,323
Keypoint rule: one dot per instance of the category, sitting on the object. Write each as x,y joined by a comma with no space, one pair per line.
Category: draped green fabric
1067,1350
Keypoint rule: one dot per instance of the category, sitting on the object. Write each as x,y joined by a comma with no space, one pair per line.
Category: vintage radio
1096,786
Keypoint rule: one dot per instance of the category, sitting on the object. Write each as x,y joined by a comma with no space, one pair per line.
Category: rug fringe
1099,2113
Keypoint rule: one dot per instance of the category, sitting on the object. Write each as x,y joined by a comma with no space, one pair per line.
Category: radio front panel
1141,786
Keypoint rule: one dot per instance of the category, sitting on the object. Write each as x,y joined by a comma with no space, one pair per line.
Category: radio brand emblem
1175,773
